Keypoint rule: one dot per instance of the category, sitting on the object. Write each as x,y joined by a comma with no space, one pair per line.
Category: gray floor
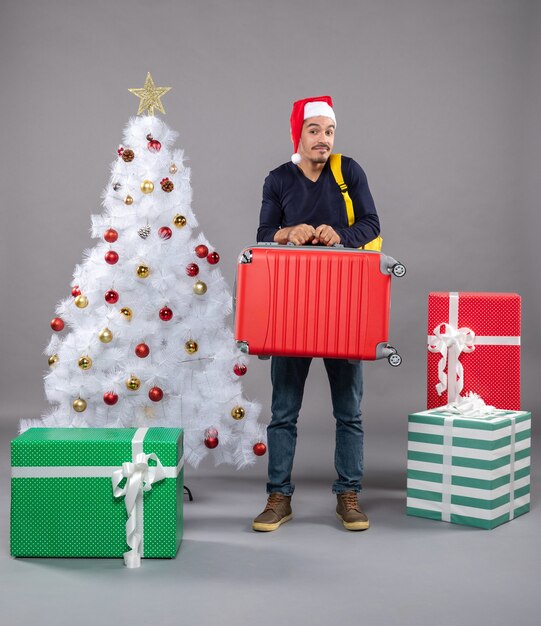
404,570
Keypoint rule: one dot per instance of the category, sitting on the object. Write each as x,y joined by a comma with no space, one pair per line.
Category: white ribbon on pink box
450,341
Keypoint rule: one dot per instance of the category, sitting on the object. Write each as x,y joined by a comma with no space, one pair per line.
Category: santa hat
302,110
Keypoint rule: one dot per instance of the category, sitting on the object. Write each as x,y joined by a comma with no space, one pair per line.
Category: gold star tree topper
150,96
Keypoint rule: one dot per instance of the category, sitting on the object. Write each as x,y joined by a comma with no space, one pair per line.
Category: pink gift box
474,345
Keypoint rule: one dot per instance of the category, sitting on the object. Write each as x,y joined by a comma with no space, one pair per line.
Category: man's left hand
326,235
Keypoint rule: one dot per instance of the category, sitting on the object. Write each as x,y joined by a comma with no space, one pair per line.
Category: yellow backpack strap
375,244
336,168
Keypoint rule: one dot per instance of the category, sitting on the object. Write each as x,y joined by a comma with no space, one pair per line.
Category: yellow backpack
336,168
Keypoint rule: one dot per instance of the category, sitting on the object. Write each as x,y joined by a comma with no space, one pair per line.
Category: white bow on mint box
470,406
450,341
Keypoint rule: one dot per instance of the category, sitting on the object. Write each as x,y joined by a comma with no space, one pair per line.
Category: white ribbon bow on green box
140,476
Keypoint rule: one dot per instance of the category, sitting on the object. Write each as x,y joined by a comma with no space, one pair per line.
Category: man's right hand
299,235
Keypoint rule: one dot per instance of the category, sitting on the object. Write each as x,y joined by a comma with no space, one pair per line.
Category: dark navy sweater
289,198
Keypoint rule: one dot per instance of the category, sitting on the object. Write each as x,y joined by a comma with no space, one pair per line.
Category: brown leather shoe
349,511
277,511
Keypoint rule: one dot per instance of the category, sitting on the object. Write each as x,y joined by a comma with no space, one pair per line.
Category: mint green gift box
469,470
62,500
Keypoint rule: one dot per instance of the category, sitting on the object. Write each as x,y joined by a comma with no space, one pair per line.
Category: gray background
439,101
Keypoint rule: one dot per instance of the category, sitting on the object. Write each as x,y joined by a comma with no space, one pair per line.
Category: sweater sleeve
366,226
271,214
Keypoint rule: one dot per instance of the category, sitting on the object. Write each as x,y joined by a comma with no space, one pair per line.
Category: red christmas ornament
142,350
111,257
166,314
75,291
211,437
213,258
57,324
211,442
110,235
110,398
259,448
165,232
155,394
154,145
192,269
201,251
240,369
120,150
111,296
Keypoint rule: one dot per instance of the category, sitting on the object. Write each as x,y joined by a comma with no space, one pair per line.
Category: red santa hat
302,110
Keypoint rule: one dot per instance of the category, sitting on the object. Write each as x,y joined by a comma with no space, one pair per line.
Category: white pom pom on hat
302,110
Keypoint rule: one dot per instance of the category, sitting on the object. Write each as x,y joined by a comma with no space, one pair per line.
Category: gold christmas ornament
173,169
79,405
53,359
147,186
237,413
126,313
179,221
143,271
85,362
200,288
81,301
105,335
191,346
150,96
133,383
128,200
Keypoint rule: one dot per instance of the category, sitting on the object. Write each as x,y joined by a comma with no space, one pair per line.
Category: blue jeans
346,380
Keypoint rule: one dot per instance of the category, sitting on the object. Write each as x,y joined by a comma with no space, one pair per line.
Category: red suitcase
314,301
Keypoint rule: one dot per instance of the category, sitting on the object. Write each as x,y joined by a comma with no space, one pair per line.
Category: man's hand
326,235
299,235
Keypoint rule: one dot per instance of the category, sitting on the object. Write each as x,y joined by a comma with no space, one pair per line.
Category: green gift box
94,492
469,470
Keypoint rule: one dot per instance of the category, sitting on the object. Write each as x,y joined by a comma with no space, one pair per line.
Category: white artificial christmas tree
144,340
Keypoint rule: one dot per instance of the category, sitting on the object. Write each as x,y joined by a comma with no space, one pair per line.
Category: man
303,205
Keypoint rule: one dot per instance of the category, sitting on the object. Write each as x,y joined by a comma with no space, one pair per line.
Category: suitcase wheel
394,359
398,270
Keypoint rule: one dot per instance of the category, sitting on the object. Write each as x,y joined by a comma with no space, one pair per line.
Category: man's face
317,139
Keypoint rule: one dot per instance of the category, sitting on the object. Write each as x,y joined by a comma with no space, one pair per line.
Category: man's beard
319,159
